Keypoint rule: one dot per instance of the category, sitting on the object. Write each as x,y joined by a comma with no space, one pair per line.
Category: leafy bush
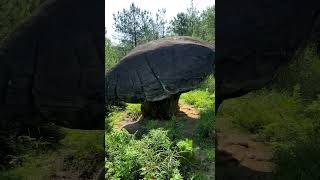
287,115
256,110
111,56
118,113
208,85
305,71
200,99
298,161
206,129
152,157
133,110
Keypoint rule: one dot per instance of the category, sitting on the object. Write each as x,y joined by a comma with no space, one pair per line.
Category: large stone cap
53,63
160,69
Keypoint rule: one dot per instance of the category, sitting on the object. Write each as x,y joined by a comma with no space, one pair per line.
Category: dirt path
187,116
240,155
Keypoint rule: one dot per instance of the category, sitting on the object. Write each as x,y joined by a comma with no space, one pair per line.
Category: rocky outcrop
156,73
255,38
52,66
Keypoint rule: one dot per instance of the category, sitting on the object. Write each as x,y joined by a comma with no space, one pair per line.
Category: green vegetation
287,116
195,24
71,156
111,55
13,12
152,157
198,98
179,148
151,26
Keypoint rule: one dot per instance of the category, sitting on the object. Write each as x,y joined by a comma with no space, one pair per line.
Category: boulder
52,66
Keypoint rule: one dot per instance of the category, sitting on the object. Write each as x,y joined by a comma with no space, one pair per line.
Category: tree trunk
163,109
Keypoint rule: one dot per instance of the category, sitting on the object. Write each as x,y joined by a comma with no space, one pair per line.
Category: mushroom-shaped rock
156,73
52,66
257,38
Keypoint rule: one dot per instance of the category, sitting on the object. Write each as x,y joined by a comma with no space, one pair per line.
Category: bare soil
240,156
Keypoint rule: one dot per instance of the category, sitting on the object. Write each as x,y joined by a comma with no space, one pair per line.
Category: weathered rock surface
53,65
160,69
255,38
163,109
156,73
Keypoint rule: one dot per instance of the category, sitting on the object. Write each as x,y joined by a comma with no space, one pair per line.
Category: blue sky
172,6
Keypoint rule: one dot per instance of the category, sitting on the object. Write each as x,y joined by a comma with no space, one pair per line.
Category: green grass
166,150
77,145
198,98
298,161
203,100
152,157
118,114
287,123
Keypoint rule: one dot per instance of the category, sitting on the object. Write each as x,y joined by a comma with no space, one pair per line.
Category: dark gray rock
160,69
255,38
163,109
53,65
154,72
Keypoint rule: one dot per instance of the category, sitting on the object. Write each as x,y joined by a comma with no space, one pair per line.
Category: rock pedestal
163,109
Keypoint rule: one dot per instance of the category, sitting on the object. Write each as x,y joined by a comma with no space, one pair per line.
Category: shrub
206,128
298,161
133,110
152,157
256,110
208,85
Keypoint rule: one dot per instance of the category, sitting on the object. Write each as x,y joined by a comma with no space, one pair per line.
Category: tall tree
185,24
161,22
133,25
111,55
194,24
206,28
180,25
193,18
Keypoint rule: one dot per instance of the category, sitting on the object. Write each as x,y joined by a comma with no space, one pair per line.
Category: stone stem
163,109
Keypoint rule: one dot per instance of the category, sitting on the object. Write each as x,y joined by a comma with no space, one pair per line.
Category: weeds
154,156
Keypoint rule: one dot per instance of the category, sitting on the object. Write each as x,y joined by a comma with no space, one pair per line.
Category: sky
172,6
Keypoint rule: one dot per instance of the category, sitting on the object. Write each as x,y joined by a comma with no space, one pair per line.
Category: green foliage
287,116
111,55
313,109
206,28
194,24
173,127
133,110
208,85
167,150
75,153
200,99
256,110
13,12
115,117
186,149
181,25
206,129
298,161
136,26
152,157
203,100
117,114
305,71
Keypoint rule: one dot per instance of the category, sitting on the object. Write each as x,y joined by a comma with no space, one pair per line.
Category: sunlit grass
199,98
77,144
